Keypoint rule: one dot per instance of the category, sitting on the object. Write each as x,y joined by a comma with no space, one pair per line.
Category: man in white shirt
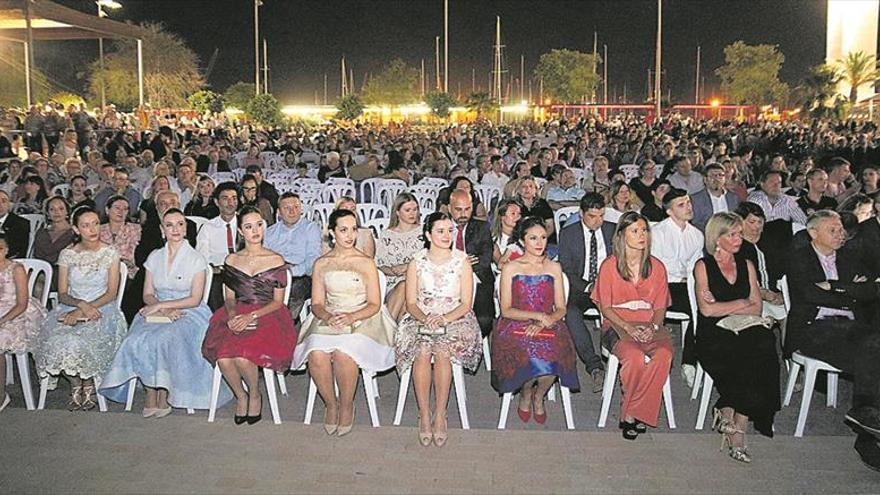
218,237
583,246
679,245
781,211
684,176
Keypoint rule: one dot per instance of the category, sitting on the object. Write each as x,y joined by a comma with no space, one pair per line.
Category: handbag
738,323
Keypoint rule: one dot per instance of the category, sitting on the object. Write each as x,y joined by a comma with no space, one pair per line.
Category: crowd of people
615,222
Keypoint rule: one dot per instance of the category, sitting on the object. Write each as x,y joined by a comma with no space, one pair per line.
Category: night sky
307,38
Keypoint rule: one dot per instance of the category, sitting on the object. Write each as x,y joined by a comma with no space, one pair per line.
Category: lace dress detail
439,293
85,349
18,335
397,248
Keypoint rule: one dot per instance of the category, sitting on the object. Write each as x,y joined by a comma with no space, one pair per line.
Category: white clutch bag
738,323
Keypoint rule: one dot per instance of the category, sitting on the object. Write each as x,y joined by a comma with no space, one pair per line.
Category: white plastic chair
333,191
487,195
61,190
435,182
132,384
387,191
561,215
629,170
426,190
565,392
221,177
37,221
427,203
371,385
369,211
457,380
369,185
34,268
377,225
321,212
701,379
102,402
268,377
199,221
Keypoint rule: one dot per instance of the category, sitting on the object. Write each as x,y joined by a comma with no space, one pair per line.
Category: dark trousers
484,308
300,290
215,295
580,334
849,345
682,304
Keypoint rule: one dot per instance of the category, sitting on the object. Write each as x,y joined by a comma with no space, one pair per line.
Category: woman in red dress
253,329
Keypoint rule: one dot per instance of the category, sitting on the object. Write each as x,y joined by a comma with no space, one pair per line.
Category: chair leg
708,383
831,397
24,375
132,385
809,383
505,408
10,377
402,392
44,386
551,394
375,387
566,407
215,393
370,392
190,410
608,388
487,355
793,371
269,378
698,381
102,401
282,383
667,399
310,402
460,395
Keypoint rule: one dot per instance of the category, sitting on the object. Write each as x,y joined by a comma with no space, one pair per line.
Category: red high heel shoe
525,415
539,418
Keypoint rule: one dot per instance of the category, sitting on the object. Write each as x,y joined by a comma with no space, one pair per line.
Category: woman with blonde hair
396,247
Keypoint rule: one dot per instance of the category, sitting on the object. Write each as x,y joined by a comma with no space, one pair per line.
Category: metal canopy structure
26,21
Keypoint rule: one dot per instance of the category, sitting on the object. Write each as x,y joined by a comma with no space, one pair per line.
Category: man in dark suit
211,163
17,229
474,238
582,248
715,198
829,318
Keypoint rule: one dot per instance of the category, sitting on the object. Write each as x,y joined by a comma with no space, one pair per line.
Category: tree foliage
568,75
750,74
239,94
206,101
817,91
350,107
171,70
857,69
265,110
440,103
397,84
481,103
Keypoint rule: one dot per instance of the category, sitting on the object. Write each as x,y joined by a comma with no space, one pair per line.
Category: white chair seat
811,368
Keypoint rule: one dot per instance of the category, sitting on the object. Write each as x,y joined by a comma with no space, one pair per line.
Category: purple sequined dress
517,358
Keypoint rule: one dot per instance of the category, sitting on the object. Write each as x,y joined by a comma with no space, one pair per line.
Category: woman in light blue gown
166,357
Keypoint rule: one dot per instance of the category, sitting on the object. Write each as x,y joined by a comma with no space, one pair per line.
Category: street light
112,5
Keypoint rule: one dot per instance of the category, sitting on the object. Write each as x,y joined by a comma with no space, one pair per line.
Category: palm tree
858,68
817,89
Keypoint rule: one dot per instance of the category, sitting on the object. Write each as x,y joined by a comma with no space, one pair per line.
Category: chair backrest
629,170
383,285
34,268
425,189
36,220
434,182
123,279
209,279
782,284
369,211
333,191
561,215
221,177
199,221
487,195
377,225
427,202
321,212
61,190
369,185
388,189
309,156
306,309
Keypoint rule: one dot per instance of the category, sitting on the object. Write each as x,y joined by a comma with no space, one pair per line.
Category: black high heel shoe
252,420
239,420
629,430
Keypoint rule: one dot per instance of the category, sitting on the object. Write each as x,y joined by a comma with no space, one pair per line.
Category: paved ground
56,451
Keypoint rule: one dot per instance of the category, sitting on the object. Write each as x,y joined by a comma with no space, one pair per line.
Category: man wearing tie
17,229
218,237
582,248
474,238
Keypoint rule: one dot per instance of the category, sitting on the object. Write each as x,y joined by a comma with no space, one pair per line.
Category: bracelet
254,315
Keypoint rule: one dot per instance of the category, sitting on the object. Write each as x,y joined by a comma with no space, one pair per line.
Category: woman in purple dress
531,346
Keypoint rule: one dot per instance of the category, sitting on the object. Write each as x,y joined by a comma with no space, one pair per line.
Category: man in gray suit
582,248
714,198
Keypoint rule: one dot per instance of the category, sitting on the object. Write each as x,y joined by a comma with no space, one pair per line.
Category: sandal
721,424
740,454
75,402
88,403
629,430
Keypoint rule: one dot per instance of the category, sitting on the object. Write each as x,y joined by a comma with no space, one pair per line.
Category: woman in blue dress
167,356
81,335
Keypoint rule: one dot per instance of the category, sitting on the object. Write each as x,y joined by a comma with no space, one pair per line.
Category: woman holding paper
163,347
531,346
632,294
744,364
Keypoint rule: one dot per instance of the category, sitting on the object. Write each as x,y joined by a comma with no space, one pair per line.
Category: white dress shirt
211,241
601,252
719,203
677,248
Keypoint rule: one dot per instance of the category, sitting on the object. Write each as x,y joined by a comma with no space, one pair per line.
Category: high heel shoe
629,430
425,437
75,402
252,420
330,428
539,418
440,436
524,415
740,454
343,430
721,424
88,403
239,420
5,403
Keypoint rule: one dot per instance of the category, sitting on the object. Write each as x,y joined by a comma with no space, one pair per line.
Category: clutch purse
738,323
160,318
425,330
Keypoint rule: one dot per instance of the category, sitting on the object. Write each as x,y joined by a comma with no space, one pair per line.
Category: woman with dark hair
365,241
752,228
79,194
860,205
81,335
744,364
253,328
462,183
55,235
31,202
507,215
166,355
396,247
440,326
250,197
531,345
632,294
20,315
641,185
348,327
202,203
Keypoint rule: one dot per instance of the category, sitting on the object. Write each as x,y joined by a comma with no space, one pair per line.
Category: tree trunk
853,94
